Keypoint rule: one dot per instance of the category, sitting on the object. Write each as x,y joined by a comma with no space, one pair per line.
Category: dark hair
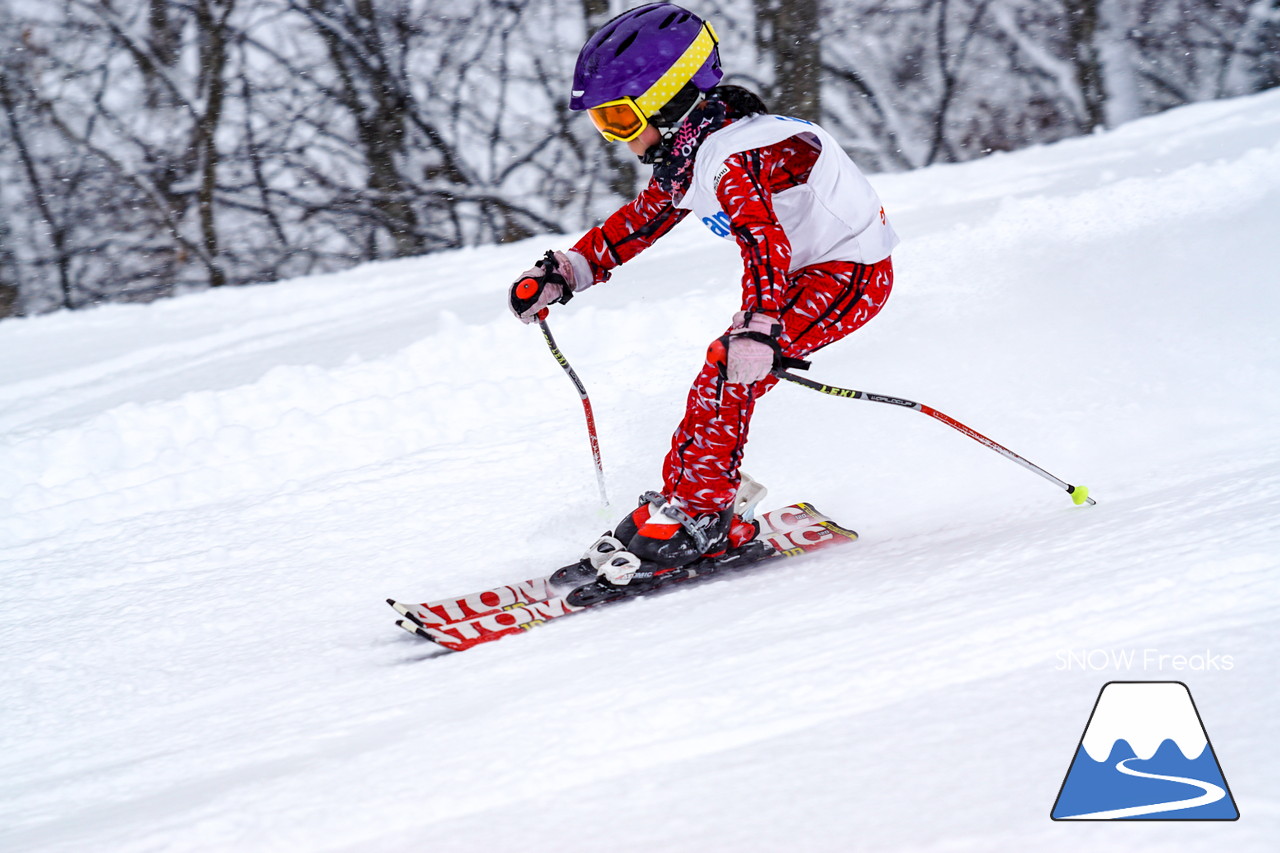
741,102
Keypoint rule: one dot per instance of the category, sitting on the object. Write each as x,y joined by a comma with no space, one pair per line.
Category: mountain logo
1144,755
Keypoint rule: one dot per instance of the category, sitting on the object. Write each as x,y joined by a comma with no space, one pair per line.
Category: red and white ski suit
816,304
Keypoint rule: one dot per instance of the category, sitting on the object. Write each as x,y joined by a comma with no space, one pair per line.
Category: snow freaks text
1147,660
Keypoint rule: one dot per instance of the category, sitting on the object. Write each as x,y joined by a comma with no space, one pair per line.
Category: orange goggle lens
619,121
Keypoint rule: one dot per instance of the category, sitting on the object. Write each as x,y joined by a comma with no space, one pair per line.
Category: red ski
481,617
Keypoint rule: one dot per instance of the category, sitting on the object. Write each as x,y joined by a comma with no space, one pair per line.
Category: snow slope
204,502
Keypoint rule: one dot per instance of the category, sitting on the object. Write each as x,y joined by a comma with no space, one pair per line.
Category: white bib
835,216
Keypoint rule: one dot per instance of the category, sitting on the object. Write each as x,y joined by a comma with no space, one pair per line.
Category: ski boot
660,532
660,542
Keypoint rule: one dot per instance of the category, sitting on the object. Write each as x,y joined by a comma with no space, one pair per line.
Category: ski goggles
623,119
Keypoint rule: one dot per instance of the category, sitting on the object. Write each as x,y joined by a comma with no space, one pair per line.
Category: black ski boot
667,537
658,537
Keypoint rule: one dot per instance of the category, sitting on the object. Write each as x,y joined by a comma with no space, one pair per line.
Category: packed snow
206,500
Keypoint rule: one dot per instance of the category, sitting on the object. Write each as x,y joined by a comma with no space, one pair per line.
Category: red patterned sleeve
746,196
629,231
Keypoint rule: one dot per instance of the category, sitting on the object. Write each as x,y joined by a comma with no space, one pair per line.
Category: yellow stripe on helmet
670,84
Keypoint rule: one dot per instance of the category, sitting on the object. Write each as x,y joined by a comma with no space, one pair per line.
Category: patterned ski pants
823,304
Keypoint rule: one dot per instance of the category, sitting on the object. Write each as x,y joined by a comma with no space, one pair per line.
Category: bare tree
1082,29
165,38
211,20
595,13
41,193
152,147
10,286
372,90
791,35
951,52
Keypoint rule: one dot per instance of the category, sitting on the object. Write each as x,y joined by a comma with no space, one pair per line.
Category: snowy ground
204,502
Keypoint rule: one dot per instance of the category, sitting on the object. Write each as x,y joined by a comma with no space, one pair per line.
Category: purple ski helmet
650,54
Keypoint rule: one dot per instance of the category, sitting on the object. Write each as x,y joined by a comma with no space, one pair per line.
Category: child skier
814,239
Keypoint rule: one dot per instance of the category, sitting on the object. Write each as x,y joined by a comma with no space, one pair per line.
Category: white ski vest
835,216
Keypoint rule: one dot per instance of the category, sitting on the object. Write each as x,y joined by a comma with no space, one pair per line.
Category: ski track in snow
204,502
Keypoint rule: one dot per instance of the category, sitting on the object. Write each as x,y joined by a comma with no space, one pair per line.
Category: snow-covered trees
157,145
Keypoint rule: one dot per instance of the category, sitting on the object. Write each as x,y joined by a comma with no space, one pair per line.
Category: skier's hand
750,350
555,278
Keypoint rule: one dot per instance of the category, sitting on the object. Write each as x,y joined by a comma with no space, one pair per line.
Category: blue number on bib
719,224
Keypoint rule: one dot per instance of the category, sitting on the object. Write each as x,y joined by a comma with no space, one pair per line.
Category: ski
461,622
466,607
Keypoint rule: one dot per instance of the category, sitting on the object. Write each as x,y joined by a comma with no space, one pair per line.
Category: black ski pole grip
525,293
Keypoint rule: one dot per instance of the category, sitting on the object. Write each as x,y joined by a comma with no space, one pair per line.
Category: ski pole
525,295
1079,494
586,403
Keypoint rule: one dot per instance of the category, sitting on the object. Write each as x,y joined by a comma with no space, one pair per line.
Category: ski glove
750,350
555,278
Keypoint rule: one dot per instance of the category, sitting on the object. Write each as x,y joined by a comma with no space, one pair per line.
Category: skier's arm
747,200
629,231
626,233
